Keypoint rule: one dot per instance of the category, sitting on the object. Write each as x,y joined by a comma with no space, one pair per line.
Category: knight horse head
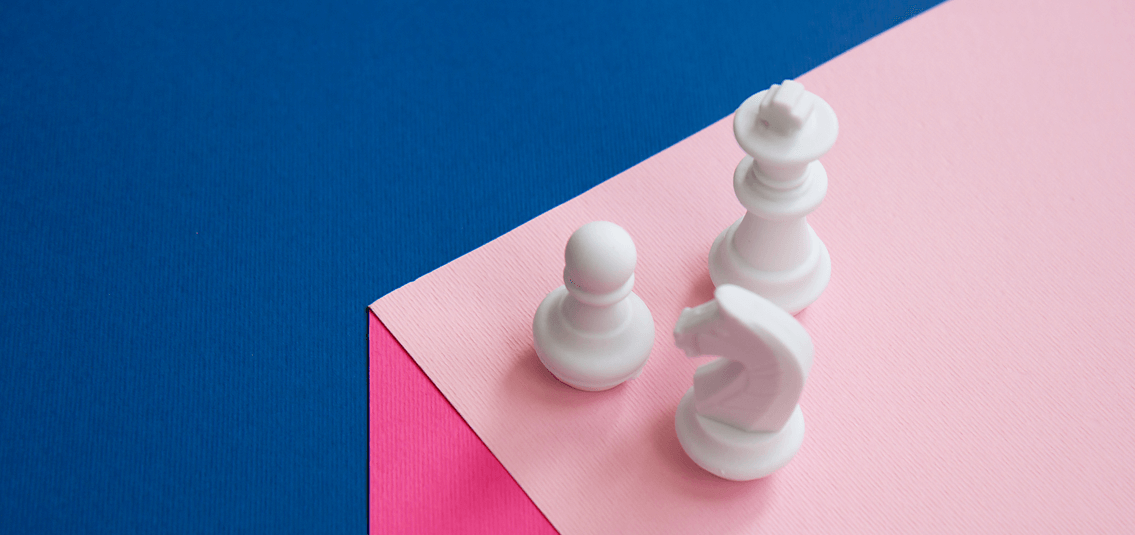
765,357
695,323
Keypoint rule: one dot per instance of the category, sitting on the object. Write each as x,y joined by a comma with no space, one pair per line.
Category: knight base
731,453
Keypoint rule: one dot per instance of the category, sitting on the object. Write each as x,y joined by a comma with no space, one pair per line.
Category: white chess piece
772,250
593,333
740,420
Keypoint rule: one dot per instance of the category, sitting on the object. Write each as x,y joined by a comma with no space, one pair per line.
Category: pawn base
730,453
592,361
792,290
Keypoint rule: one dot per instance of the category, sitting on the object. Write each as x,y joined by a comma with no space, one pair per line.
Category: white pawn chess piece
740,420
593,332
772,250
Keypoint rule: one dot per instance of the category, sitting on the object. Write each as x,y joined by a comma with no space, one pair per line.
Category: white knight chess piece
740,420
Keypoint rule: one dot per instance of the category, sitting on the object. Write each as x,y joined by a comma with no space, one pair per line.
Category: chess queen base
791,290
731,453
590,361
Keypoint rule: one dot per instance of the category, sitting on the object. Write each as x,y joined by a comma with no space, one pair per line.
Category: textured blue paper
198,199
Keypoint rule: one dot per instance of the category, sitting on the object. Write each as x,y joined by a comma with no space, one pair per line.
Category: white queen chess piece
740,420
772,250
593,332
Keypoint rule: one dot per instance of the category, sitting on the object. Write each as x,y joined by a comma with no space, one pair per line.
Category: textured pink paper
974,367
428,472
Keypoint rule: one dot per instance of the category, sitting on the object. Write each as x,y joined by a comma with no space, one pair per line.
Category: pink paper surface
428,472
974,369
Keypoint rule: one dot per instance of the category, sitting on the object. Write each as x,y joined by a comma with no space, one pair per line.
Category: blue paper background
198,199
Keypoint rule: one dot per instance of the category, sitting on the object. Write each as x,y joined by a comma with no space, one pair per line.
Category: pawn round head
600,258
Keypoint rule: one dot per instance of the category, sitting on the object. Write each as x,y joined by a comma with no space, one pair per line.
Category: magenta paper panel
428,472
974,369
